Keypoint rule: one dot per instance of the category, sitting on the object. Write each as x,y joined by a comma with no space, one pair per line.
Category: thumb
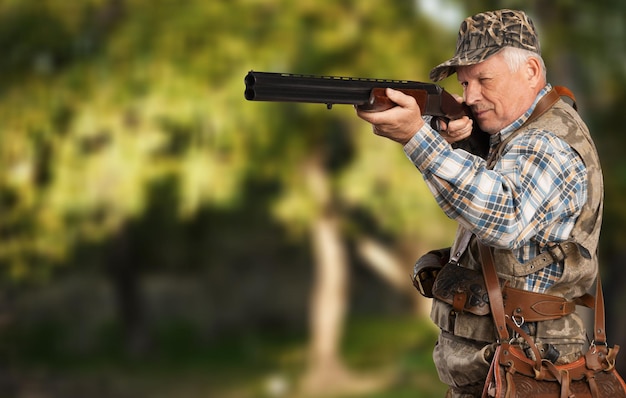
399,98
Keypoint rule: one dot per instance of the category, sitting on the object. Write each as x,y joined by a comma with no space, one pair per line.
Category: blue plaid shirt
531,197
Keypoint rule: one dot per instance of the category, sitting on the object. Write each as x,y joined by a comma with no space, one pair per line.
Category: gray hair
515,58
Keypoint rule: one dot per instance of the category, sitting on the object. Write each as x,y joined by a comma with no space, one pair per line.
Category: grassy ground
395,350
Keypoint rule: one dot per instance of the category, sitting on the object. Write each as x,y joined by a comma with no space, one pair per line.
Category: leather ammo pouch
463,288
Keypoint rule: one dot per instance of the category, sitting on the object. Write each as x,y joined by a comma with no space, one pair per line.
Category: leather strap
493,290
546,102
599,333
549,99
566,92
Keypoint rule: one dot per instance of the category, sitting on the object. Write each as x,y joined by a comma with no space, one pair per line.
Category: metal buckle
417,282
428,274
556,256
593,345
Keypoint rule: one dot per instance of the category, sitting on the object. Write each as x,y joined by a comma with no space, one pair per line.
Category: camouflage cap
484,34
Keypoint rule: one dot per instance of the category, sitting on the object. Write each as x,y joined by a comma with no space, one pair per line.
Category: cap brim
472,57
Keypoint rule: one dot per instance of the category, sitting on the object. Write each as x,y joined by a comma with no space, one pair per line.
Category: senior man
539,188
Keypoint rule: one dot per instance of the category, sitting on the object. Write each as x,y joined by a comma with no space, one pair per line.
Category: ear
534,72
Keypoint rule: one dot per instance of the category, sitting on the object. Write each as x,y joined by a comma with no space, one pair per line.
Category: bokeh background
160,236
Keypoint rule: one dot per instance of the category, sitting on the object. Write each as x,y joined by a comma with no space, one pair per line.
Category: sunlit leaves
153,90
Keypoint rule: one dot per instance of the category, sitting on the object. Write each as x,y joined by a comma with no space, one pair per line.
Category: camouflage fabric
484,34
467,364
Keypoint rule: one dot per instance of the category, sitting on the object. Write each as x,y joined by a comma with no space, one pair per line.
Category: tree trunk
330,287
327,373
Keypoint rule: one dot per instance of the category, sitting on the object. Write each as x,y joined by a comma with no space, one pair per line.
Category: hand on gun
456,130
401,122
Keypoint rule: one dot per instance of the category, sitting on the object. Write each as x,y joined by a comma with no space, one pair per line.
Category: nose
471,94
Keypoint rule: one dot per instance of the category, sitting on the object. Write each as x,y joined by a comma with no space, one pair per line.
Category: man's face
496,95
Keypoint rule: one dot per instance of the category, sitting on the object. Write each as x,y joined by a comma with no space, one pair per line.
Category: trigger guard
434,123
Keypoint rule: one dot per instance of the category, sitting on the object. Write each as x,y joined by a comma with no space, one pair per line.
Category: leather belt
533,307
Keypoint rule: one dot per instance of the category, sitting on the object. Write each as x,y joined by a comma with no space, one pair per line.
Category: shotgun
366,94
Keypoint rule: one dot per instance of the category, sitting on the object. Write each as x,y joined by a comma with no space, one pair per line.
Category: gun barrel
367,94
286,87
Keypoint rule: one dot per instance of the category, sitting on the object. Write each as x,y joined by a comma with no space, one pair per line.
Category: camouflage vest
580,266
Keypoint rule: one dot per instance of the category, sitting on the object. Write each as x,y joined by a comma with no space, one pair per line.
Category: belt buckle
556,256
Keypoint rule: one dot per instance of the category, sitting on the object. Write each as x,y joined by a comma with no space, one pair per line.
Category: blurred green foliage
101,99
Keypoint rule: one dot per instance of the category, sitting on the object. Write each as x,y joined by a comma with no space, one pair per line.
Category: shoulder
542,141
542,154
